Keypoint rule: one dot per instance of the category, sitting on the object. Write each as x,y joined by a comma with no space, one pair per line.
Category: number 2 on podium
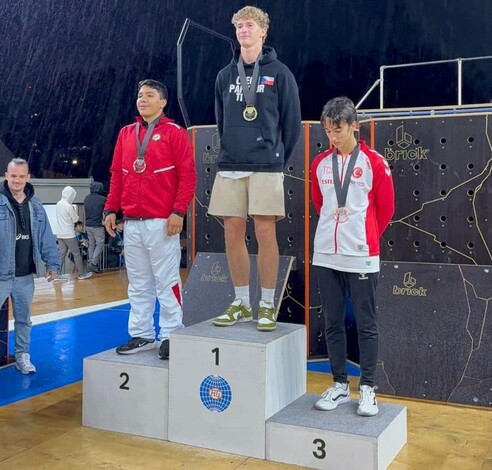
126,378
216,352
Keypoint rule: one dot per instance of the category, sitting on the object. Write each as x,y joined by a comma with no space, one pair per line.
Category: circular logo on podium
215,393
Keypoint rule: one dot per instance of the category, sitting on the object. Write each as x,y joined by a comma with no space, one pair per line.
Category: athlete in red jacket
153,180
352,192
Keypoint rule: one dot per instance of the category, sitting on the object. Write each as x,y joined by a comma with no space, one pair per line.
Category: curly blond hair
252,13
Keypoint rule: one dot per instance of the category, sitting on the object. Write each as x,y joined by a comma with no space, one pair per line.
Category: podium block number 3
216,352
126,379
320,452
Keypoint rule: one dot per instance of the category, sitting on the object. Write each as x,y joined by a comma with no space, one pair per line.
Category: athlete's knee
265,230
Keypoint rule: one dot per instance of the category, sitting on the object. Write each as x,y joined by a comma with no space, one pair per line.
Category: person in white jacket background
66,216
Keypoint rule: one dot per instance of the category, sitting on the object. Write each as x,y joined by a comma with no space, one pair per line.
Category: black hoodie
24,260
94,205
266,143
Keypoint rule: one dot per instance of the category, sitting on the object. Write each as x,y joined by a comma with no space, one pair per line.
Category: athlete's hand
174,225
110,224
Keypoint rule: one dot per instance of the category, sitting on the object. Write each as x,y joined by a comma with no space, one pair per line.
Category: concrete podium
237,390
338,439
127,394
224,383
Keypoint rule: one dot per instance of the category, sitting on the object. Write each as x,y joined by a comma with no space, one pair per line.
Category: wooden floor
45,432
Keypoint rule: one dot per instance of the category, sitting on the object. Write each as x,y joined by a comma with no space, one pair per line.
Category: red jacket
370,202
167,184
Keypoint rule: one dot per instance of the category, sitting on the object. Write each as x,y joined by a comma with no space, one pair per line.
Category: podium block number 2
320,452
126,379
216,352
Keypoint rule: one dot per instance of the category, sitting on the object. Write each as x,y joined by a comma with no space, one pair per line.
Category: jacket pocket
7,235
242,144
167,168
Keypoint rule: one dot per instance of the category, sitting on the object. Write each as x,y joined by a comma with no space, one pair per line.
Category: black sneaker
164,350
135,345
92,267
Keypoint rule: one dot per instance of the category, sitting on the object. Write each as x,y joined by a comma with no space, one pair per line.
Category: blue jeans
21,292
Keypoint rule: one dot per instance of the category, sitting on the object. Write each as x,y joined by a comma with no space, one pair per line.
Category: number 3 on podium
320,452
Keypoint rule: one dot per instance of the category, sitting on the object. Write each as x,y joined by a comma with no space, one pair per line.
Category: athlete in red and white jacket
370,204
153,180
168,182
352,191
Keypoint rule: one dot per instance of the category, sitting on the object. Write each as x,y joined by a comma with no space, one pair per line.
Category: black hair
156,85
339,109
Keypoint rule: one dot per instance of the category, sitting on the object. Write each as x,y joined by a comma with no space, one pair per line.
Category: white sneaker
24,365
333,396
368,405
85,275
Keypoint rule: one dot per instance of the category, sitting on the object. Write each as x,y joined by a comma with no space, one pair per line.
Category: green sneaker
235,313
267,320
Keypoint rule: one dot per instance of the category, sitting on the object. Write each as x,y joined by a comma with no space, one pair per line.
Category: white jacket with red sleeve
370,202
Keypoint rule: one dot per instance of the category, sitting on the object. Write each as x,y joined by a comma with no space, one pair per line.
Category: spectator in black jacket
94,207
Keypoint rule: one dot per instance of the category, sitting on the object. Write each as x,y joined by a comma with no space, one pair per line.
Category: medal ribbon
342,190
142,147
249,91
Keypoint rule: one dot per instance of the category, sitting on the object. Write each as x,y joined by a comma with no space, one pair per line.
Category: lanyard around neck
142,146
249,91
342,190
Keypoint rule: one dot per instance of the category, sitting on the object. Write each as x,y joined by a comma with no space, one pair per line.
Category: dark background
68,69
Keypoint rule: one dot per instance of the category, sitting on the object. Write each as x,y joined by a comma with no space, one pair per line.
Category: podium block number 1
216,352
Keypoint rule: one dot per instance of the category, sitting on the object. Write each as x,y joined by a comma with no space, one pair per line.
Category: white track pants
152,263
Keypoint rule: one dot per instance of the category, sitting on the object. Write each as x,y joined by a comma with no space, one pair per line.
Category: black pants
361,289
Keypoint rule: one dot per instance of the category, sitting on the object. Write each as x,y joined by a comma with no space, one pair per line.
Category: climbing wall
442,174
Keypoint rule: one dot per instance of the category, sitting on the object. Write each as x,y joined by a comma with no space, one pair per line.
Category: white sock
242,293
267,295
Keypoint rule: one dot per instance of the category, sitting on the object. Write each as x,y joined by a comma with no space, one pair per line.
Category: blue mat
324,366
58,349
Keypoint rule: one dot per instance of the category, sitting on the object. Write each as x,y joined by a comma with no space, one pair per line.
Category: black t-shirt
24,261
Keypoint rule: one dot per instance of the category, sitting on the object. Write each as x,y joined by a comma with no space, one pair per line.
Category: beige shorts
258,194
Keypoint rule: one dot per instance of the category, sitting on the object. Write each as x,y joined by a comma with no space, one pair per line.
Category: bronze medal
341,215
139,166
250,113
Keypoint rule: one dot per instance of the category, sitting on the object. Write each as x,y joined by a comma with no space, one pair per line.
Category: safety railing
459,67
179,54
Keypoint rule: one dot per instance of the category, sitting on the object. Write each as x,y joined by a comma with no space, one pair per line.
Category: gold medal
250,113
341,215
139,166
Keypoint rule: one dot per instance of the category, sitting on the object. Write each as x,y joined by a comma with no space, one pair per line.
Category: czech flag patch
267,81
